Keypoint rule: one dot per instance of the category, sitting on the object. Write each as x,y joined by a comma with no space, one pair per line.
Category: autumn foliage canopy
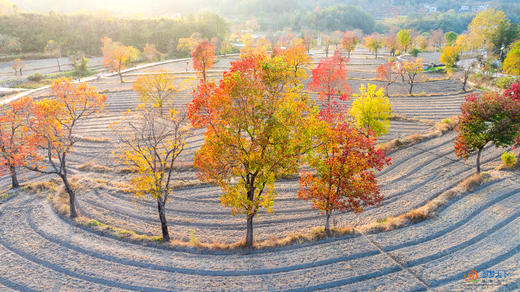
492,118
329,79
203,58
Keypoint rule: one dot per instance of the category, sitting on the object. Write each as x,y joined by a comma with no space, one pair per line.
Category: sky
155,7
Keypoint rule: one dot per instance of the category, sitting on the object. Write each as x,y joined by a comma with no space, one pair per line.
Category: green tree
374,42
404,39
450,37
492,118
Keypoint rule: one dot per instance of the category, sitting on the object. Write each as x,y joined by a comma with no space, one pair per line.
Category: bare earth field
478,230
43,66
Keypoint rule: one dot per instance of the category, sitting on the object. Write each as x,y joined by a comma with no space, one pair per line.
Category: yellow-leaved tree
156,90
151,139
372,110
512,61
450,56
410,70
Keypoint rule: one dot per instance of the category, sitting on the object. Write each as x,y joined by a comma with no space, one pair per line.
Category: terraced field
43,66
478,230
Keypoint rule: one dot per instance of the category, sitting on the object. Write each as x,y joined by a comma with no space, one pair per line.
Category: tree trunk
478,160
14,179
466,75
250,197
327,223
411,89
164,224
59,66
120,76
376,54
204,75
249,235
72,197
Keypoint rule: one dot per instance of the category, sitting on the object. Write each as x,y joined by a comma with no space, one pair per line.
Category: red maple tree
345,164
329,79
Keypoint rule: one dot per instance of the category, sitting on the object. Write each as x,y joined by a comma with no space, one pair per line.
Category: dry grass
60,202
429,209
431,94
432,79
92,167
183,166
92,139
115,231
504,167
42,187
399,117
102,183
315,234
440,128
362,79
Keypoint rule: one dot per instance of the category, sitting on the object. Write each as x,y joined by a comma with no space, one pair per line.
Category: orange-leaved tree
18,66
157,90
16,146
411,69
388,73
350,41
297,59
391,43
54,124
258,123
151,53
345,163
203,58
329,79
117,56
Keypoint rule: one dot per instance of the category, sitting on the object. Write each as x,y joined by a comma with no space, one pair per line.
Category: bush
480,78
36,77
508,159
504,82
415,52
81,68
